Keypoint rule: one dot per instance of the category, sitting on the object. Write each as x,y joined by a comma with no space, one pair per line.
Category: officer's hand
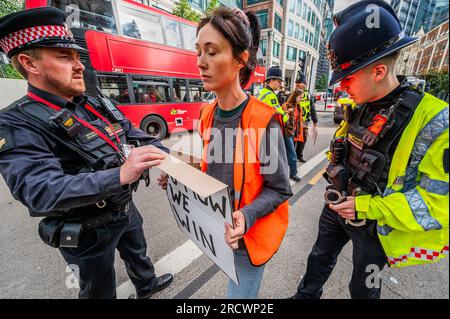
232,235
346,209
140,159
162,180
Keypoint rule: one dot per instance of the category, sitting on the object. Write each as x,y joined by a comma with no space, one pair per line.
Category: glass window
302,33
305,10
309,15
277,22
280,2
311,38
292,6
196,91
299,7
290,28
115,87
276,49
189,35
151,90
306,36
296,30
173,36
263,47
250,2
291,53
141,25
262,17
89,14
179,93
313,19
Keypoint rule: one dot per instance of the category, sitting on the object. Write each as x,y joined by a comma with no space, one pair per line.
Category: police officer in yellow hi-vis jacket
268,95
389,159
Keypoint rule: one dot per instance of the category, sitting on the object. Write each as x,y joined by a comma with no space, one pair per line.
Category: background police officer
308,114
267,95
389,161
66,156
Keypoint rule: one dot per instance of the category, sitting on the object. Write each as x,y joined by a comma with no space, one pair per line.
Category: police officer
267,95
68,157
388,162
308,114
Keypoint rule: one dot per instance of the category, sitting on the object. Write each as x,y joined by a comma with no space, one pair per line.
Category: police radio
109,107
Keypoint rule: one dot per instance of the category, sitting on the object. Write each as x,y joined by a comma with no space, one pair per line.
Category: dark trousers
301,145
291,157
94,256
334,233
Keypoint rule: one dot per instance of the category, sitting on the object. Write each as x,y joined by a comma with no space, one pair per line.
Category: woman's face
218,67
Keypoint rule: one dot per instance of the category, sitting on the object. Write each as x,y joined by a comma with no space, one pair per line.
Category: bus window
151,90
173,36
115,87
196,91
89,14
140,25
179,90
189,36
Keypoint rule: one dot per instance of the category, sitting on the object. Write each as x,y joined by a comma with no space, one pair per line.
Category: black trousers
334,233
301,145
94,256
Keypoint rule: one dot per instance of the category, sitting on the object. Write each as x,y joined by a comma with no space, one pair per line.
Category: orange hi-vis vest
264,238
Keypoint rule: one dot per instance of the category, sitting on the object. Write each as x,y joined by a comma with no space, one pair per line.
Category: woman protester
242,145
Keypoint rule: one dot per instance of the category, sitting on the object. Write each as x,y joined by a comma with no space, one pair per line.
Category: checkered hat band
21,37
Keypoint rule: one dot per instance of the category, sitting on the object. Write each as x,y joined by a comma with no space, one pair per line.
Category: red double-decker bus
143,58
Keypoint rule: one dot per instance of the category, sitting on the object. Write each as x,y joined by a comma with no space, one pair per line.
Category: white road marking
307,167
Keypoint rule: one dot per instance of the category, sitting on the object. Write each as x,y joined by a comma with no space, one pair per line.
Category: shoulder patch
273,101
6,140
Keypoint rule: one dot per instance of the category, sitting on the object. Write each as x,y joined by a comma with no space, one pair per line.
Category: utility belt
65,231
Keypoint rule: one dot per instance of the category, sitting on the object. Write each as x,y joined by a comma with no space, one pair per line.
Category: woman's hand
232,235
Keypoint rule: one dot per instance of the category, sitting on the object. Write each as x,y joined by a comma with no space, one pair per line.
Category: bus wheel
154,126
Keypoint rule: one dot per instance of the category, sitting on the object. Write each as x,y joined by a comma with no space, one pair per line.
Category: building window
296,30
263,46
277,22
291,53
302,33
250,2
276,49
280,2
290,28
306,36
313,19
299,7
262,17
292,6
309,15
305,10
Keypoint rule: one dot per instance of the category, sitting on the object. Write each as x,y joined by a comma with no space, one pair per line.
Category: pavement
30,269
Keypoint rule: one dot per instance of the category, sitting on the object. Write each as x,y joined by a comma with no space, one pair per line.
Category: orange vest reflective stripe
264,238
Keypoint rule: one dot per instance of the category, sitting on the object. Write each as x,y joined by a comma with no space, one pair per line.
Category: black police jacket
47,176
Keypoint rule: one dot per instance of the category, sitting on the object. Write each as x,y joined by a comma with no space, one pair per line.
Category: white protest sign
201,206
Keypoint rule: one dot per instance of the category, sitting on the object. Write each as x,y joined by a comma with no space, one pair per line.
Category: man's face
299,86
360,86
275,84
61,70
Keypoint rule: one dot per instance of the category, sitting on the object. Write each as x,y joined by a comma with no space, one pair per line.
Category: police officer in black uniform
69,157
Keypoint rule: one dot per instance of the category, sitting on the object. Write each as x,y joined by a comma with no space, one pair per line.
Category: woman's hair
292,98
242,30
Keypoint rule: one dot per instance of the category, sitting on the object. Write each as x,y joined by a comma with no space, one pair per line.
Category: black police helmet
38,27
301,79
274,73
365,32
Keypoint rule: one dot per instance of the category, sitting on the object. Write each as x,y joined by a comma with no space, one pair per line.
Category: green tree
7,7
212,4
322,83
184,10
437,81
